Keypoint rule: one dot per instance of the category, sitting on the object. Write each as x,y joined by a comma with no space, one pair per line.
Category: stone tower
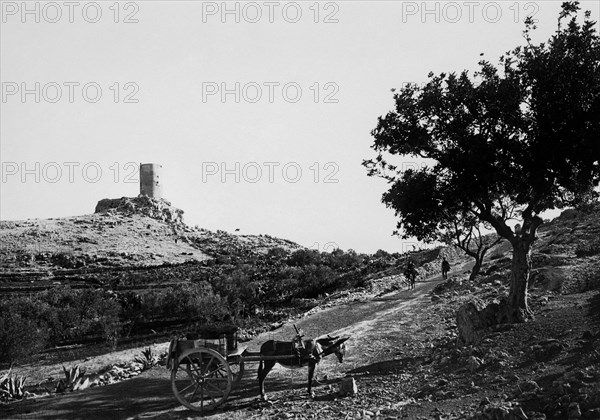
150,184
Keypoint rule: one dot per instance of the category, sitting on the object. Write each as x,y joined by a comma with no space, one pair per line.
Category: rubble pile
156,208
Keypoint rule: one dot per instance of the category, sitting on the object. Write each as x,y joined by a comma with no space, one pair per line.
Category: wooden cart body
204,371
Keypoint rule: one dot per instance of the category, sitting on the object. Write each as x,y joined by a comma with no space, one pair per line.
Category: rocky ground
404,357
404,353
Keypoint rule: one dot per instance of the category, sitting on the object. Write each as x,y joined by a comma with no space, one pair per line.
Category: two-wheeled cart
205,370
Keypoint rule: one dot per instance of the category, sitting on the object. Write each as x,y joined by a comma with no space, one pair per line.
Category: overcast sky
259,112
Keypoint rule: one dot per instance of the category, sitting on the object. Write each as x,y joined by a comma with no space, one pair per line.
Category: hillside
139,234
404,352
134,272
126,232
130,272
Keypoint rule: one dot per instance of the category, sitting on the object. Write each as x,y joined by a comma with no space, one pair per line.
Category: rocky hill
134,271
408,353
123,234
130,272
405,353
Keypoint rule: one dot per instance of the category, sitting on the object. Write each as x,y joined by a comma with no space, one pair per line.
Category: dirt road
378,327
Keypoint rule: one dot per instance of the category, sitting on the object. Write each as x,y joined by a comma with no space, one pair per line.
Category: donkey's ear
333,338
341,341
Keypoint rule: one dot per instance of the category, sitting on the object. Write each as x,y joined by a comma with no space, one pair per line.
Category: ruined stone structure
149,203
156,208
150,184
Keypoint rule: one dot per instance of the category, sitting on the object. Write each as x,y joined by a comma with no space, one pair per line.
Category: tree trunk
518,309
477,267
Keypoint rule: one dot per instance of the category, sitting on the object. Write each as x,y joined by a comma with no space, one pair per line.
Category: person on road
445,269
411,274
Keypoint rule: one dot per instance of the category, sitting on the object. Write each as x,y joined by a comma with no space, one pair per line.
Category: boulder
574,411
507,412
548,278
546,350
348,386
491,279
473,363
473,318
528,386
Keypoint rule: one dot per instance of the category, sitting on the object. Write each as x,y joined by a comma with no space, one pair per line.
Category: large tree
509,142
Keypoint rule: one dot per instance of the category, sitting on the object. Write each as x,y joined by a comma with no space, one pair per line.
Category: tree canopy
509,142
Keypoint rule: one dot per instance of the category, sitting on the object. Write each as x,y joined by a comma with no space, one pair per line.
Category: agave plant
12,387
74,380
148,359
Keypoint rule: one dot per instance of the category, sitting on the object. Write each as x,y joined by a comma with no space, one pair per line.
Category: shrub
587,250
277,253
191,301
303,257
74,380
12,387
20,336
286,288
343,261
381,254
30,324
147,360
73,314
315,281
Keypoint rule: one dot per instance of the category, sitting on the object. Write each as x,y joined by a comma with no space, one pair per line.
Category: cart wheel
202,379
236,365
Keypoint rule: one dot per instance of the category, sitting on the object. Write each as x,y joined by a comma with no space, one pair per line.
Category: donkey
411,277
311,354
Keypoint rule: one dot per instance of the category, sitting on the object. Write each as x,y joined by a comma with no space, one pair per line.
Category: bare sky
260,112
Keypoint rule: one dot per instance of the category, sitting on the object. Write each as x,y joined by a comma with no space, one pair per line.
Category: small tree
415,200
512,142
468,236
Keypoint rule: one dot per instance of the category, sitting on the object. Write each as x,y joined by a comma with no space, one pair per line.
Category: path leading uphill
379,327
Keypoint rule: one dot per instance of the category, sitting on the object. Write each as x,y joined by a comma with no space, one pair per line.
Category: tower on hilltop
150,184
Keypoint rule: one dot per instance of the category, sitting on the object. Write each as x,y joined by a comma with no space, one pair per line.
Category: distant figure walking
445,269
411,274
